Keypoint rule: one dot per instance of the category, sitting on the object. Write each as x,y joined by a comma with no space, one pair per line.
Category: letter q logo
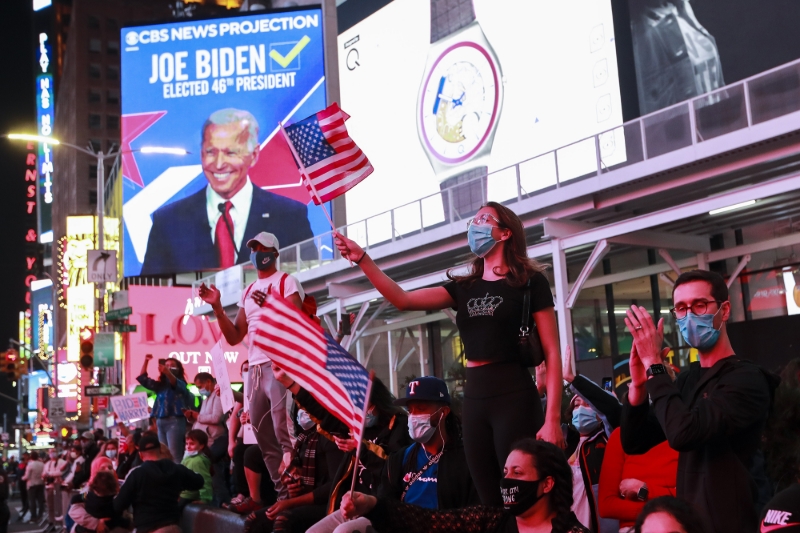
131,39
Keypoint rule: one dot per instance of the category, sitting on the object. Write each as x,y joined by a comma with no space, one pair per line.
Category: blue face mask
370,419
480,239
263,260
699,331
205,393
584,420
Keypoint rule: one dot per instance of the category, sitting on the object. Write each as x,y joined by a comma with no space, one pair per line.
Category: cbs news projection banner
217,89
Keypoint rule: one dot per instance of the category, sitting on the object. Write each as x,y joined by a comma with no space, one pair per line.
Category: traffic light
21,367
86,336
5,363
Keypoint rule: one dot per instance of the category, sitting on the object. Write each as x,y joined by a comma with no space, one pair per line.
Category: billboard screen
685,49
218,89
510,85
166,328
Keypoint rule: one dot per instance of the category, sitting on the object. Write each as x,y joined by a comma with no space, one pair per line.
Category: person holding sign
171,394
267,397
501,403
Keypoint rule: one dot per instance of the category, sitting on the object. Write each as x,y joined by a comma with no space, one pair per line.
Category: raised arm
234,331
420,299
147,359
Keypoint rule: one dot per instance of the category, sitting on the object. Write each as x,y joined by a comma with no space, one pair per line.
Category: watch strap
448,16
655,370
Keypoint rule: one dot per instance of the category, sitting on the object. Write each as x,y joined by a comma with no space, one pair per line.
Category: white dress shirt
240,212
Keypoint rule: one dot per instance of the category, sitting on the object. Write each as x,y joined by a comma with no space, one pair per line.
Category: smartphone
344,325
607,385
162,361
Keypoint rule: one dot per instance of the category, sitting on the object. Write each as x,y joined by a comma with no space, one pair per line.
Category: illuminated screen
217,89
543,75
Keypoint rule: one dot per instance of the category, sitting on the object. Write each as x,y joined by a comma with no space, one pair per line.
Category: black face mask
519,495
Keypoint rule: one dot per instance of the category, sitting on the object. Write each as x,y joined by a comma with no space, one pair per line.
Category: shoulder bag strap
283,283
525,322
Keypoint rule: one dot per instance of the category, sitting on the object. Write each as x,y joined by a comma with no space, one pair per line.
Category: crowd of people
713,448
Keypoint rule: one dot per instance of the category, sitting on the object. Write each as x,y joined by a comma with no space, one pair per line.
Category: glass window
95,121
112,73
96,145
95,45
112,122
92,197
93,22
93,172
94,96
113,96
94,71
113,48
112,25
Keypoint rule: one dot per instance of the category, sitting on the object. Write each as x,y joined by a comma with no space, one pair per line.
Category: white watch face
459,102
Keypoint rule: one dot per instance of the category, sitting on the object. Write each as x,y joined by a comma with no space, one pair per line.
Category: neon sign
45,112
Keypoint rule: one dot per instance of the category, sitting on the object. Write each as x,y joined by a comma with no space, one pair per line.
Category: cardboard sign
223,380
130,408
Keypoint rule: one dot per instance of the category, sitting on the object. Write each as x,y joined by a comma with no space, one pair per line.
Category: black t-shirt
489,314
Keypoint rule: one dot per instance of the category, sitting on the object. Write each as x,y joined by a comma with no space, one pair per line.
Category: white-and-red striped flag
330,158
314,360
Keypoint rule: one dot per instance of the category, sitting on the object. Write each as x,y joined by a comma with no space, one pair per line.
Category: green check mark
294,52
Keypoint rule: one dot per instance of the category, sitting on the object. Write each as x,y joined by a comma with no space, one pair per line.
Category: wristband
361,258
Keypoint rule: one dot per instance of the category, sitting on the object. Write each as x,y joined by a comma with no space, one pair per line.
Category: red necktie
224,237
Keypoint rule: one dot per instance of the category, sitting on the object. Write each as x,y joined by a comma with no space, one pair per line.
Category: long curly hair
550,461
781,441
515,252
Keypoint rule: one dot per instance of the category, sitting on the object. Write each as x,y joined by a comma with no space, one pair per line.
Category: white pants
335,523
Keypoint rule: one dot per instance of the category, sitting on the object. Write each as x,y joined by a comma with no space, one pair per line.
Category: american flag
331,159
314,360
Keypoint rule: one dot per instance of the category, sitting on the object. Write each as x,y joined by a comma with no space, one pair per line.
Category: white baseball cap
266,238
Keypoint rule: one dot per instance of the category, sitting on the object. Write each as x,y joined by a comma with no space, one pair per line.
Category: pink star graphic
134,125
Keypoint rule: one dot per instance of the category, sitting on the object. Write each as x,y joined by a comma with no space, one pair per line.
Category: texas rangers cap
266,238
427,389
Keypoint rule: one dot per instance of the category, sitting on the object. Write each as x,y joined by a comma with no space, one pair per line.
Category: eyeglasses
483,220
698,308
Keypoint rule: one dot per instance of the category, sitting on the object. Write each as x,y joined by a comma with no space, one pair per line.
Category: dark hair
515,252
199,436
550,461
104,483
383,399
204,376
452,424
781,438
34,455
678,509
181,374
719,289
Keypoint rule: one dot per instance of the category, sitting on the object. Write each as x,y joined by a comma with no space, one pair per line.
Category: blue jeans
172,432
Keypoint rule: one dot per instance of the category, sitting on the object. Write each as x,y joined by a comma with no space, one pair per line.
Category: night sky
17,113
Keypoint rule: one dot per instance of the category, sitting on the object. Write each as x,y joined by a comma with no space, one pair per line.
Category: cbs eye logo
131,39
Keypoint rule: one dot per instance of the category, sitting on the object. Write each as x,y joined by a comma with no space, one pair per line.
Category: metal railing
763,97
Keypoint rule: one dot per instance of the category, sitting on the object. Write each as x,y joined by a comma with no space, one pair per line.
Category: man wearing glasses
712,414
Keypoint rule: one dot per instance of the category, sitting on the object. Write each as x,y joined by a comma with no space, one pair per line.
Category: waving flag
327,154
314,360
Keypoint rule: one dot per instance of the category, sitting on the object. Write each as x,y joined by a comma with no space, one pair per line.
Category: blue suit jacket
180,240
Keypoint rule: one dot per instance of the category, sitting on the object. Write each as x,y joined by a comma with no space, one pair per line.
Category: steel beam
354,327
739,268
666,279
556,228
600,251
670,261
562,289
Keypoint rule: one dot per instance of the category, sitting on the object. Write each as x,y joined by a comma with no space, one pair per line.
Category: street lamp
101,199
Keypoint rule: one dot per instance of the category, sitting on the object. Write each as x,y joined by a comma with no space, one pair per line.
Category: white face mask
420,428
191,454
304,420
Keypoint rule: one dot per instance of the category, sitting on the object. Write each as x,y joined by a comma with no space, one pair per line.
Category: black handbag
530,348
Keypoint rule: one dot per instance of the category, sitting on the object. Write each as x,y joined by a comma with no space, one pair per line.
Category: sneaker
246,506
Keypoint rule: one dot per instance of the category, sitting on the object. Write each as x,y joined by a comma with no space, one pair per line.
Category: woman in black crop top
501,404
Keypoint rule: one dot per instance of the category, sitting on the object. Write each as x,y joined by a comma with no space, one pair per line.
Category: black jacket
714,417
180,240
153,490
387,436
454,486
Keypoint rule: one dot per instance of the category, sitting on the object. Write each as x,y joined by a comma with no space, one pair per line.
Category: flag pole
305,175
361,434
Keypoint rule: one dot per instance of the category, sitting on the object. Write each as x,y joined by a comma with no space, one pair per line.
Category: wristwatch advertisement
460,100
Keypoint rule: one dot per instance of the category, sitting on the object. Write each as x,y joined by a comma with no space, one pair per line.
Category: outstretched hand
349,249
209,295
